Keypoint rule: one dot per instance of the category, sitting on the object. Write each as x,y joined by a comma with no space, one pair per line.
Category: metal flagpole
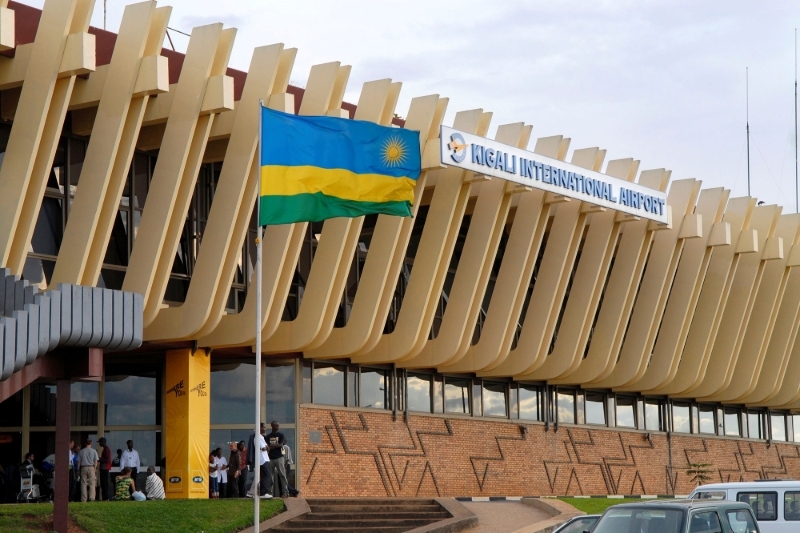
796,180
747,98
256,467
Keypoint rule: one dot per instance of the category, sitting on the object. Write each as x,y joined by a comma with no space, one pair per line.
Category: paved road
503,517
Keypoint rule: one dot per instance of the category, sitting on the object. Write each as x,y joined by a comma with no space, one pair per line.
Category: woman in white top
213,466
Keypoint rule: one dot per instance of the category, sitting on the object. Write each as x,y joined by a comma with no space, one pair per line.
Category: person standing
154,488
277,463
257,455
130,459
75,495
213,475
223,473
242,467
89,461
234,471
287,455
105,467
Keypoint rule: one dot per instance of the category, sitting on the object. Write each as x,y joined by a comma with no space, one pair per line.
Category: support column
188,413
61,502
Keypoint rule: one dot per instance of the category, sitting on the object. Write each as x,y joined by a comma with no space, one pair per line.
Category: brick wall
363,453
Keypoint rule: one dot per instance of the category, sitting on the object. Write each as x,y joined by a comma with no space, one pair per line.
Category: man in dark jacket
234,471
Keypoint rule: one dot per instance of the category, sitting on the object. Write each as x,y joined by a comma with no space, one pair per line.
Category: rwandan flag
315,168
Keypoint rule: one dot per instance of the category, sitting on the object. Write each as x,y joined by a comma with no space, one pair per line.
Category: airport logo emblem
458,146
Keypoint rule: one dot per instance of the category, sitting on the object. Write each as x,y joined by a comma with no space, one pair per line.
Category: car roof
766,484
685,504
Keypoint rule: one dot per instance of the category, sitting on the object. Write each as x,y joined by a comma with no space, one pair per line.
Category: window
626,414
438,395
233,387
732,423
791,506
374,389
11,411
778,424
741,521
279,393
652,415
513,402
621,519
595,408
755,429
566,407
763,504
529,402
705,522
796,427
83,404
456,396
707,423
131,400
147,443
328,384
494,399
710,495
419,393
680,419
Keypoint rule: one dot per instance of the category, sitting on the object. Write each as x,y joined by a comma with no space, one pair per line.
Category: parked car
678,516
579,524
775,503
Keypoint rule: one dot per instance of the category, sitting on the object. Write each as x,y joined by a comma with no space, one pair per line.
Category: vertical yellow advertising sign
188,406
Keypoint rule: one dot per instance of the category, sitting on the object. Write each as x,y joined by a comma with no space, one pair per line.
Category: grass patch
175,516
598,505
25,518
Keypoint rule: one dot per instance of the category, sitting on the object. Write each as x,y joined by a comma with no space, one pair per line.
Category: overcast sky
660,81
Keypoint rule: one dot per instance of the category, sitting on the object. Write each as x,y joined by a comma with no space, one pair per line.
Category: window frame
763,493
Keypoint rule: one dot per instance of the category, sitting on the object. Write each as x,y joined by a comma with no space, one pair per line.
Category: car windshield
640,520
579,525
742,521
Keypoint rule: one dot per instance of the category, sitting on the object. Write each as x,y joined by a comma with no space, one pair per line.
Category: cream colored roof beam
560,252
619,292
711,303
7,29
486,225
209,286
374,280
36,124
760,326
685,290
653,290
446,211
738,308
590,277
173,177
104,143
525,236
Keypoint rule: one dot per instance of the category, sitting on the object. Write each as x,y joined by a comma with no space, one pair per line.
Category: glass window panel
791,506
796,427
580,405
233,389
707,424
494,399
652,415
626,416
529,403
83,404
419,393
111,279
280,393
680,419
477,409
566,407
329,384
11,411
754,427
513,402
117,249
741,521
778,423
352,387
595,408
732,423
705,522
695,420
456,396
38,272
43,405
131,400
49,229
438,396
140,180
306,382
764,504
147,443
374,388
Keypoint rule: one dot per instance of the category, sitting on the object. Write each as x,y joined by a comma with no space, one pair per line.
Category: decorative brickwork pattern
369,454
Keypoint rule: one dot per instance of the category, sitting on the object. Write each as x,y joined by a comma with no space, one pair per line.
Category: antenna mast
747,97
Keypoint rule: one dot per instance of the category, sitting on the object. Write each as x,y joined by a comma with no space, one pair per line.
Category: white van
776,504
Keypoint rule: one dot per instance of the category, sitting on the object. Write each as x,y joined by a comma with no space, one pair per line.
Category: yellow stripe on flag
338,183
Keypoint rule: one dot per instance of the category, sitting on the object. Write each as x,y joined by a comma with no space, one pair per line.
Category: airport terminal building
507,340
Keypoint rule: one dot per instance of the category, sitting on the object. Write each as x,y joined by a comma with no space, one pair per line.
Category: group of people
268,452
90,474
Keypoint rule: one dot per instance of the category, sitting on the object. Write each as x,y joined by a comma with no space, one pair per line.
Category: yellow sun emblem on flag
394,151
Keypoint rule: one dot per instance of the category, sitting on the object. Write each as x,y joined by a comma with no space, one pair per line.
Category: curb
294,508
606,496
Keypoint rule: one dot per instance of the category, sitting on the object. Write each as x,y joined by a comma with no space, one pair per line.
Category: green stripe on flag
317,207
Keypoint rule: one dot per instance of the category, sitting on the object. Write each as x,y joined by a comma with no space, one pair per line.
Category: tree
699,473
